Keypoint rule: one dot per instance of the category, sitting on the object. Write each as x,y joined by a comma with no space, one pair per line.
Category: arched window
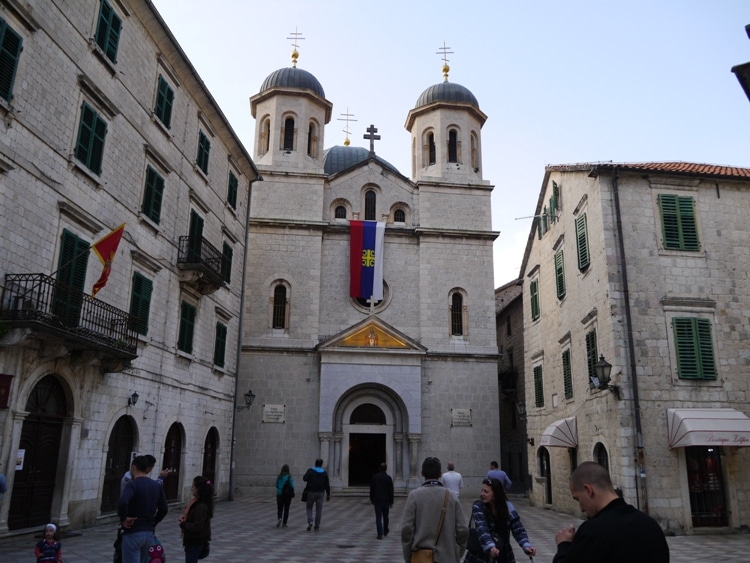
399,216
457,314
370,205
367,414
279,307
474,153
601,456
311,141
452,146
340,212
265,140
431,148
289,134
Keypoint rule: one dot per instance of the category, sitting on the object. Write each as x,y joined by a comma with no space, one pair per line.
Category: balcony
66,320
201,265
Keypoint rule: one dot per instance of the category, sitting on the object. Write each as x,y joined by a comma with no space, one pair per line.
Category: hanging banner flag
366,259
105,250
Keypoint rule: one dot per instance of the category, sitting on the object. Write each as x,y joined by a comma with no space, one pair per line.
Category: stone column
10,470
414,460
398,461
66,467
325,448
336,480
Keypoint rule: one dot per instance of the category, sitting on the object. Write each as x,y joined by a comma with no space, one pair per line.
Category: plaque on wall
274,413
460,417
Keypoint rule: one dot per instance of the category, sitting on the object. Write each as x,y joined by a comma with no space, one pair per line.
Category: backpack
287,491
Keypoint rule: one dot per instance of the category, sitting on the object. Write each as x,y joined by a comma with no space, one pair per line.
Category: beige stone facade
646,265
103,116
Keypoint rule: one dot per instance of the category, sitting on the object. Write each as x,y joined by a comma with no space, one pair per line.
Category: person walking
495,518
496,473
141,507
317,487
195,521
381,496
433,519
615,532
452,479
284,495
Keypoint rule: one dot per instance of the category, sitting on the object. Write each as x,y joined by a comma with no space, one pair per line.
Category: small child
49,549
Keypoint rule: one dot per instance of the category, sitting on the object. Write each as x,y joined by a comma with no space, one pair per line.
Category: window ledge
200,172
154,227
75,164
97,51
231,209
683,253
185,355
160,125
7,111
218,370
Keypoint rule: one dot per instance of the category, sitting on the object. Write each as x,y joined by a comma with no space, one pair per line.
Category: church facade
359,381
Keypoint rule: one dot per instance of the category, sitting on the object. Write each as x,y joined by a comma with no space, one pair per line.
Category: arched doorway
172,460
546,472
41,434
210,447
367,448
120,447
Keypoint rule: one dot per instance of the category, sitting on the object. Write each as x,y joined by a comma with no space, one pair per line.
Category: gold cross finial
445,53
347,117
296,36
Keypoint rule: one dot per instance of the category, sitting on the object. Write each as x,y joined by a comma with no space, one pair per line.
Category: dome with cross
293,77
447,92
339,158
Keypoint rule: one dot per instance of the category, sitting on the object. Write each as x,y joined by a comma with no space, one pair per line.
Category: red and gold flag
105,250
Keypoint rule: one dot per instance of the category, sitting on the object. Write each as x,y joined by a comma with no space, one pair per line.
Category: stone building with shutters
642,267
356,383
106,122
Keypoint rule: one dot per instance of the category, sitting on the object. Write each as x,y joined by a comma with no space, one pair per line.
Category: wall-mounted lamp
603,370
521,409
530,441
249,398
133,399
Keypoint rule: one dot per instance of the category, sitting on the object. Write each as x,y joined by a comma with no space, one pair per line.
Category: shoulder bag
304,495
428,555
473,545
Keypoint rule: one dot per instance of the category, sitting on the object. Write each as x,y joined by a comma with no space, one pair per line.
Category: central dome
293,77
447,92
340,158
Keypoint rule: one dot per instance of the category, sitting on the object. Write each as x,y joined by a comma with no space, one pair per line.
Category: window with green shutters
10,51
560,274
220,344
204,148
187,327
591,354
694,348
534,293
164,100
538,387
232,190
152,194
226,262
140,303
582,242
678,224
108,31
91,134
567,375
70,279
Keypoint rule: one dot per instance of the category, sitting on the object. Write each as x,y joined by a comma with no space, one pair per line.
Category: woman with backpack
284,495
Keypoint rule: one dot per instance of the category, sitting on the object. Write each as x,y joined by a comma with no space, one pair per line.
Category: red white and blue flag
366,259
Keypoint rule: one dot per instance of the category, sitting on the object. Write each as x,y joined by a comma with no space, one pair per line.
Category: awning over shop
707,427
562,433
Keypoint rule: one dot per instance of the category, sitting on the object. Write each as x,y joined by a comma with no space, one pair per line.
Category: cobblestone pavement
245,531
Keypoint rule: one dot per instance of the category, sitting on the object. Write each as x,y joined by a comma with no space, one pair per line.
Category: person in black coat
616,532
317,487
195,522
381,496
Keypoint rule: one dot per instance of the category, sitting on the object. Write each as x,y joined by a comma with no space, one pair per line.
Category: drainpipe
239,342
639,454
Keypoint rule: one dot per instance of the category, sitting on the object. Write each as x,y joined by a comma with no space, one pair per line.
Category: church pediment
371,334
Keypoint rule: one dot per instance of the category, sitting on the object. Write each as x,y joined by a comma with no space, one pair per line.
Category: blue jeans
192,552
381,517
316,499
135,546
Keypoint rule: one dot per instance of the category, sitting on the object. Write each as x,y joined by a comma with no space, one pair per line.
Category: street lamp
249,398
603,370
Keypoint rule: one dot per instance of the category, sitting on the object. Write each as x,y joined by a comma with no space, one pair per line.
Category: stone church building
356,383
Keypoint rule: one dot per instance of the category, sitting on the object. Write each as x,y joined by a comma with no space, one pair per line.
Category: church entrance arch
119,456
369,421
41,436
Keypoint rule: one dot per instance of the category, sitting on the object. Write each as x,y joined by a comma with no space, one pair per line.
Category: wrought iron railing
198,252
39,299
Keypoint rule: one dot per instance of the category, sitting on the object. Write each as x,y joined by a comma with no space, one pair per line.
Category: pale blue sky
561,82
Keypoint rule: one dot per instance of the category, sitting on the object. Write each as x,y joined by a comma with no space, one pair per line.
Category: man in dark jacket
381,495
616,532
142,506
317,486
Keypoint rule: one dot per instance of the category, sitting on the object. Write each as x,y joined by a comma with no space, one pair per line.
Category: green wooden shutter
591,354
187,327
560,274
688,225
232,190
152,195
706,348
582,242
679,227
226,262
195,233
538,387
694,348
534,292
220,344
567,375
164,101
108,31
10,52
91,135
204,149
71,279
140,303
